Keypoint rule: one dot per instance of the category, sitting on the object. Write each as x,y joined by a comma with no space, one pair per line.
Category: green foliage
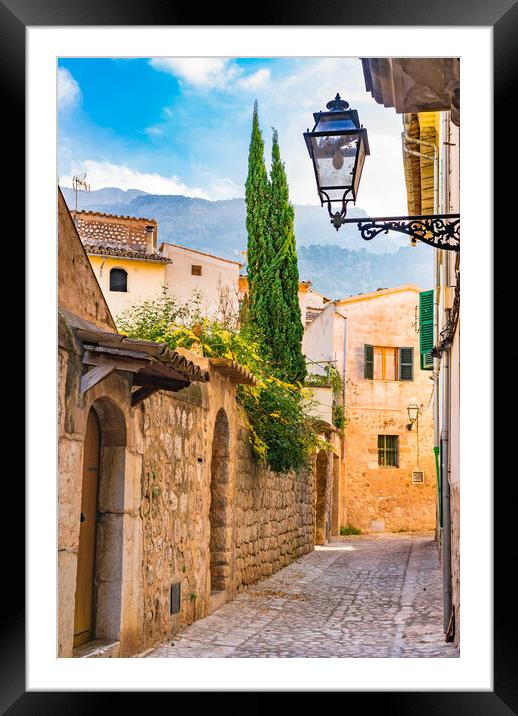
350,530
339,420
152,320
288,353
330,379
259,247
282,434
273,278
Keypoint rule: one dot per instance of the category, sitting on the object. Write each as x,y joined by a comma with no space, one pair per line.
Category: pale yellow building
122,252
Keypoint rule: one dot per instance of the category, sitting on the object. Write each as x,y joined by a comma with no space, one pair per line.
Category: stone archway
320,503
109,516
219,515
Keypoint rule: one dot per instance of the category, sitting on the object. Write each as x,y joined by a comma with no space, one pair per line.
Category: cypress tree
289,349
259,247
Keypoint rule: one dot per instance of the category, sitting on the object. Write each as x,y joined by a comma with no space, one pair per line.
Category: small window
118,280
388,448
385,363
195,270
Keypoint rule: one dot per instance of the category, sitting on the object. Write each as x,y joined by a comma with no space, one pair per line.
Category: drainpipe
436,298
445,426
344,375
445,460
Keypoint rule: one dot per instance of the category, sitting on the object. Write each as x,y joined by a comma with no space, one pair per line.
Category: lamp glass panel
359,168
335,158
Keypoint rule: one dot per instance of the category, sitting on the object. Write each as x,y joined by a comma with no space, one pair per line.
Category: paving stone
372,596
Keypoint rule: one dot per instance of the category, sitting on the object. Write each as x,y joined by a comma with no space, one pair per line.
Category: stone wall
274,517
174,509
265,519
386,494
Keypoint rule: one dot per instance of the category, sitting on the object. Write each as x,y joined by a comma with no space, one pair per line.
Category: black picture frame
15,16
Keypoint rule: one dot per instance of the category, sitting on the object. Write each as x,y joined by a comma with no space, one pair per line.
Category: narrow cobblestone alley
365,596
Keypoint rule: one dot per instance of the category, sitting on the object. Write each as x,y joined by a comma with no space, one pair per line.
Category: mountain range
337,263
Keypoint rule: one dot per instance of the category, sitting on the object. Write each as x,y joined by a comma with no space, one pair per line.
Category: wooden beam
109,350
94,376
159,383
118,363
142,393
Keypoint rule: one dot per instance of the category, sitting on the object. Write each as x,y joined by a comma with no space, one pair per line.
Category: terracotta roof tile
116,235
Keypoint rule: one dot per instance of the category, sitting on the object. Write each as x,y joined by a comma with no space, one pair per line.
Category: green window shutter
368,364
406,364
426,329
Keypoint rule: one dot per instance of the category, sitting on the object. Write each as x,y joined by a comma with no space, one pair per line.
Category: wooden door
84,608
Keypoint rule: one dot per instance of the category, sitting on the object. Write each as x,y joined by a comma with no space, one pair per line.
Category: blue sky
182,125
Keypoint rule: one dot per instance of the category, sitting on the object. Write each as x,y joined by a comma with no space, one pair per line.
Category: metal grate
417,476
175,598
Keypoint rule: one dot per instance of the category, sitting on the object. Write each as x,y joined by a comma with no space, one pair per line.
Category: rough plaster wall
78,290
274,517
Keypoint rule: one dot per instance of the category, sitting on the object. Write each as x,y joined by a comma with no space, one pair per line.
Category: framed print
248,501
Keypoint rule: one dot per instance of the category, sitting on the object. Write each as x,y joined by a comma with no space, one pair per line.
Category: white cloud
211,72
202,72
105,174
69,92
254,81
225,189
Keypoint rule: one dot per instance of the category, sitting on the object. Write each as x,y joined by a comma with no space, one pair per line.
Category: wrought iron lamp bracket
442,231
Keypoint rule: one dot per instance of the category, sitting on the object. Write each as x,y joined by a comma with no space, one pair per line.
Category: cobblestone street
365,596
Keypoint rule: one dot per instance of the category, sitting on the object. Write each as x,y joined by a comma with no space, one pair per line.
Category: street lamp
337,146
413,414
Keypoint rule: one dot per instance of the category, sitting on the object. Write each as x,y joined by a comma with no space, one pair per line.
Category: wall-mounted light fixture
338,146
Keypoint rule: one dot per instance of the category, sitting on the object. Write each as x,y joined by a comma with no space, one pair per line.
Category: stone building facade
369,495
182,516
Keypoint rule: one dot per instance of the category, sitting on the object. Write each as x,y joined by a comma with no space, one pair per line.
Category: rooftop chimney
150,239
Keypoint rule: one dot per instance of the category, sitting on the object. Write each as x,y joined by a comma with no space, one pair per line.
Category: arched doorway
219,515
84,605
320,504
98,597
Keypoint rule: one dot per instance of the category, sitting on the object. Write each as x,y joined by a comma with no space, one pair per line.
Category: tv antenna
79,183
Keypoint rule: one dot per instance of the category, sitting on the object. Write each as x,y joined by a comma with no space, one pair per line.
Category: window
385,363
118,280
195,270
388,446
426,329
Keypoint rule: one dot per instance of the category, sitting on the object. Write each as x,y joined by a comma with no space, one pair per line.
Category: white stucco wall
217,274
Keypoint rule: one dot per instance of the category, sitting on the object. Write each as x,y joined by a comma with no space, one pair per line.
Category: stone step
217,600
